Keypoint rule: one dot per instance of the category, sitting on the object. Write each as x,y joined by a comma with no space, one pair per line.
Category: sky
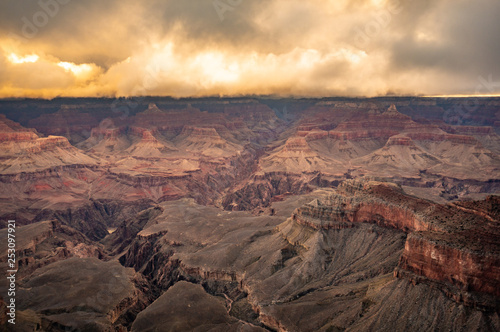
194,48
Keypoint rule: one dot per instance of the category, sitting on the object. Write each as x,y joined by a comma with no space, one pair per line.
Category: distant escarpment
455,247
371,140
70,122
23,151
157,155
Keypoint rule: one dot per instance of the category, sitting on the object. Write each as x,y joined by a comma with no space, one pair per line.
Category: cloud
285,47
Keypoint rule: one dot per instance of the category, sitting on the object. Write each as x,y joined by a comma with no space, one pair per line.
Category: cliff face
455,246
464,275
400,140
17,136
200,135
436,137
351,205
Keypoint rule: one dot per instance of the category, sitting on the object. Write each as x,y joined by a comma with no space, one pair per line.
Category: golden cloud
206,47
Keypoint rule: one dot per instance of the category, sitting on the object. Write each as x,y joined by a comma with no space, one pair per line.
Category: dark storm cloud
466,33
463,40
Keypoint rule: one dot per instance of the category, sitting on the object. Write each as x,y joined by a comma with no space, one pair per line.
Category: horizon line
444,96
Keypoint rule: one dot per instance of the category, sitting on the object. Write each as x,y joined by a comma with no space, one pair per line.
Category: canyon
252,214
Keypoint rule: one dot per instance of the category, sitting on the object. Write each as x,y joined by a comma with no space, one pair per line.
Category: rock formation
22,150
331,215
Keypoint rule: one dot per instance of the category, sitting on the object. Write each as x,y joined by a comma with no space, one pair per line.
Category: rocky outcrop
400,140
48,144
106,139
152,110
23,151
143,133
467,276
455,246
11,131
379,142
41,153
259,192
297,268
297,144
200,133
390,121
146,144
353,203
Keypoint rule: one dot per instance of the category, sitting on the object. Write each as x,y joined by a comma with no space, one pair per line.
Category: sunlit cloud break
14,58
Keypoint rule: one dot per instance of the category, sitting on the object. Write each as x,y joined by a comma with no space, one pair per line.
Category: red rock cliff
457,246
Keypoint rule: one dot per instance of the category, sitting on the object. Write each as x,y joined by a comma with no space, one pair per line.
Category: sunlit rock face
234,214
